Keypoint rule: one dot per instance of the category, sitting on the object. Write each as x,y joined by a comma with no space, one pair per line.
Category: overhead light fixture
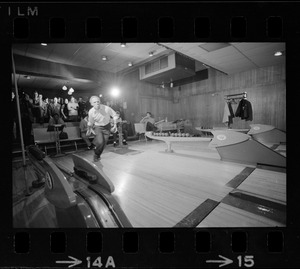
100,95
278,53
64,88
151,53
115,92
71,90
27,77
44,44
123,45
69,93
130,64
104,58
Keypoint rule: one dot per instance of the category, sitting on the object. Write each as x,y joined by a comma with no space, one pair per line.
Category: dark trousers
86,139
26,128
150,127
101,138
124,133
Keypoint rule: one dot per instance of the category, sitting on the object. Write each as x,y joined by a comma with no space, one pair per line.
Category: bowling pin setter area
163,182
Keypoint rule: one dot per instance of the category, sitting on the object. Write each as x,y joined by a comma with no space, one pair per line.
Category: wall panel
203,101
266,90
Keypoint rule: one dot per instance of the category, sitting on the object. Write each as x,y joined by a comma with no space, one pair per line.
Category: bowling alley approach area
200,140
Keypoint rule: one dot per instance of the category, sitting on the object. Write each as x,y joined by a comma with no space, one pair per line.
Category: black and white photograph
148,135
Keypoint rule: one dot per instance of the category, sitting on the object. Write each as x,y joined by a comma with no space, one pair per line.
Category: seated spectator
55,119
149,122
83,126
123,125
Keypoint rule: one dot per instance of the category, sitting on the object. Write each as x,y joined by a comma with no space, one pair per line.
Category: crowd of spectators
68,109
40,109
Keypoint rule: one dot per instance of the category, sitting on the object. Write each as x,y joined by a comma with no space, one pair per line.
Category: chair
140,128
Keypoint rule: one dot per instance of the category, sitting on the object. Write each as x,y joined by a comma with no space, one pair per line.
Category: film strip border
162,21
131,22
182,248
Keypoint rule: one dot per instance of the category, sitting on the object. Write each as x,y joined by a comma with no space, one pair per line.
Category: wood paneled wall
142,97
203,101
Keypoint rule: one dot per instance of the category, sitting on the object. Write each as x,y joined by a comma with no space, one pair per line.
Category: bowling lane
259,201
157,189
270,185
229,216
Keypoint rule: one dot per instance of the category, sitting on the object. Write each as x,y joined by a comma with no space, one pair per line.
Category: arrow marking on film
73,263
224,261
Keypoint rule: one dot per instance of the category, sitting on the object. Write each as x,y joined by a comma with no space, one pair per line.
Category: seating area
46,140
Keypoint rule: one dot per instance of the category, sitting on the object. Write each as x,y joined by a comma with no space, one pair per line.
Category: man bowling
99,120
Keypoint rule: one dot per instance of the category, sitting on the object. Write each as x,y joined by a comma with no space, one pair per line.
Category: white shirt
101,117
72,107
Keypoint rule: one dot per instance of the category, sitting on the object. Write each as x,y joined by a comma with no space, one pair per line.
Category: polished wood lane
270,185
229,216
157,189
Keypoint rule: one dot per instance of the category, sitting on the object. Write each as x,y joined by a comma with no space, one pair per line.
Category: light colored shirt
101,117
148,119
72,107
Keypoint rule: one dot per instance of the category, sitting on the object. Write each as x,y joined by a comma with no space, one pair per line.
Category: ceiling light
115,92
44,44
104,58
64,88
151,53
71,90
123,45
278,53
69,93
130,64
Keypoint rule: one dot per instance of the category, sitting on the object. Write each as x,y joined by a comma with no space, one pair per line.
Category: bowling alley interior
200,139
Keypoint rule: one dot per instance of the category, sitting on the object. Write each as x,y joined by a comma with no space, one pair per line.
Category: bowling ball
187,134
172,134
